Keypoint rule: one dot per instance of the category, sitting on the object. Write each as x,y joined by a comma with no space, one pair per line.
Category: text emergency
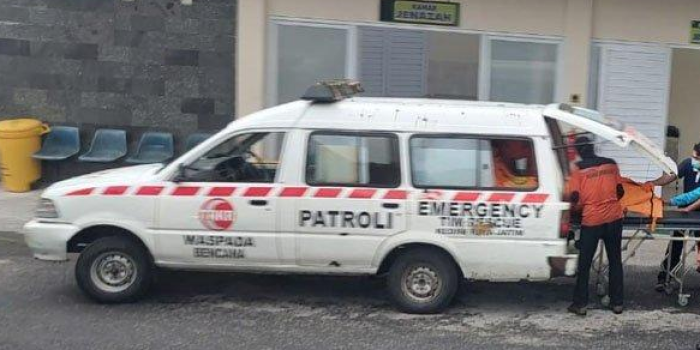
480,219
219,247
345,219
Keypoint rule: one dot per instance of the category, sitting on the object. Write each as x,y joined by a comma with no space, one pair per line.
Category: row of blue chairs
109,145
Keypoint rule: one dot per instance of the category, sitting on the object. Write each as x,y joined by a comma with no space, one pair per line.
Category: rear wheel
114,270
423,281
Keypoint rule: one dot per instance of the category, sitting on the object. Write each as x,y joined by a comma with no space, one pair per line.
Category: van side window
450,161
251,157
353,159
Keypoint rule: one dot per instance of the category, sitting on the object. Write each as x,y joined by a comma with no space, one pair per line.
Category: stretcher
636,231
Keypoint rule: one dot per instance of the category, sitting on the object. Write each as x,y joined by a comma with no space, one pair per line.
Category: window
345,159
453,65
416,62
238,159
450,161
523,72
306,55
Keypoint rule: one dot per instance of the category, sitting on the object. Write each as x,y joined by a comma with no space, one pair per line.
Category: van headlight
46,209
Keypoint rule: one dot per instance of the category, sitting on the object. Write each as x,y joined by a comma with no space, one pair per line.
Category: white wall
684,107
658,21
251,44
545,17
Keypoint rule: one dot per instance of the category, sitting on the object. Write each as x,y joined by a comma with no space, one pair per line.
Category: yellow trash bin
19,139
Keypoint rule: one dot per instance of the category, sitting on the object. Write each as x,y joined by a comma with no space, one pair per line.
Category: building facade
135,65
617,56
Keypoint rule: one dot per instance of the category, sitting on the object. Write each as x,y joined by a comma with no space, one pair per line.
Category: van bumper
563,266
48,241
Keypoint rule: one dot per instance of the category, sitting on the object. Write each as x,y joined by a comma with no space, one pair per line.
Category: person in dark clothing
689,171
595,189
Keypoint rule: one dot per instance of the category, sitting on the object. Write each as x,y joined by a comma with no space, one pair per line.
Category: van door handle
390,205
258,202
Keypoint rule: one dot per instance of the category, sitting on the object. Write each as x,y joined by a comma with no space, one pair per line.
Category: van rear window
450,161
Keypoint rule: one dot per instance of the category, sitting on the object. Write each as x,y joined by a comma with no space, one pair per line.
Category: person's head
695,158
584,147
696,151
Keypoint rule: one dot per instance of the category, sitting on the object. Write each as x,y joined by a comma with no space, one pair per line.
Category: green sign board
695,32
420,12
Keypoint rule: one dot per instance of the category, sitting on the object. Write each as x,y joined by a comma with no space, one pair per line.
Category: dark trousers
611,234
675,248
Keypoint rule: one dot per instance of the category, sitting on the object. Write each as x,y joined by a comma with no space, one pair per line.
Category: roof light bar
329,91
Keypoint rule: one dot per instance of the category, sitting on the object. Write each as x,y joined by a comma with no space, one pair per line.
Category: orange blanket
640,198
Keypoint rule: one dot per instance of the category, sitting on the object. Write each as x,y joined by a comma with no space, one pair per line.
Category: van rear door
611,130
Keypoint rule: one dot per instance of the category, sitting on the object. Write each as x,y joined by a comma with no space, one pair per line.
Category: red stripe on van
466,196
293,192
535,198
185,191
149,190
81,192
221,191
327,192
115,190
362,193
257,191
396,194
501,197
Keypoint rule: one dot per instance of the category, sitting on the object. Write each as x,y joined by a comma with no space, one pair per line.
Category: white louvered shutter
393,62
372,57
633,88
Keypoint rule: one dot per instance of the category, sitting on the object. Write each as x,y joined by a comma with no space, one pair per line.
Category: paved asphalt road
41,308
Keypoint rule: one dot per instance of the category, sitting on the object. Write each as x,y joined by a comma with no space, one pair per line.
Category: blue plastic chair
154,147
108,145
61,143
195,139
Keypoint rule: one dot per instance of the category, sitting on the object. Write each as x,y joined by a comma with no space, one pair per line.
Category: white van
427,192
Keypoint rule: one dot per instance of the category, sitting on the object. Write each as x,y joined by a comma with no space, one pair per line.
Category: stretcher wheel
605,301
683,300
600,289
668,288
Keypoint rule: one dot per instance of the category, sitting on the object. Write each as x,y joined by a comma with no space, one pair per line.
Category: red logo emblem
217,214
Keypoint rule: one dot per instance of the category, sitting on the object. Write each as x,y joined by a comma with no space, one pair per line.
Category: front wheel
114,270
423,281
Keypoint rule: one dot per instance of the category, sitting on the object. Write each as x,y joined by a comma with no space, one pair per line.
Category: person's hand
685,210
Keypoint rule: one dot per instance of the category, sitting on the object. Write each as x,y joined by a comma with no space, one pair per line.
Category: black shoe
617,309
580,311
660,286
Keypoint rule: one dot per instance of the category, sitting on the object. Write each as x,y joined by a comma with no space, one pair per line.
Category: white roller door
634,88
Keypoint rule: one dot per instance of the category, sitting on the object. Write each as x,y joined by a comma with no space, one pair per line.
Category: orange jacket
595,190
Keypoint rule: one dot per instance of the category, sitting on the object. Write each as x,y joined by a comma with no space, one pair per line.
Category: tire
435,278
114,270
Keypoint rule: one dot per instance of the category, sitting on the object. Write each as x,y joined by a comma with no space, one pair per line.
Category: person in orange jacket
595,188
